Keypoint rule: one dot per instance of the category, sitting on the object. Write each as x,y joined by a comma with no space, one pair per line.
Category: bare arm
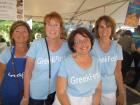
97,95
2,71
61,86
138,50
119,81
27,76
133,47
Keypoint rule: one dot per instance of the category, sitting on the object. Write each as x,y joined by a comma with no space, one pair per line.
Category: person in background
118,35
43,61
136,55
78,81
126,43
93,32
12,64
110,56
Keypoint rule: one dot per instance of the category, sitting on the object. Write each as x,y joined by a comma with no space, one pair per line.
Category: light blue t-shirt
80,82
108,63
39,82
5,55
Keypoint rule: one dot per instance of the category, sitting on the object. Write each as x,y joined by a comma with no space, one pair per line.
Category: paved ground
132,95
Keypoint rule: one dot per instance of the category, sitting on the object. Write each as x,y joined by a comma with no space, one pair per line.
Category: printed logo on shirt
107,59
19,75
84,78
54,59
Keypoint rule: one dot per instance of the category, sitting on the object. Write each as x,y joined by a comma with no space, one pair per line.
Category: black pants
137,70
127,60
48,101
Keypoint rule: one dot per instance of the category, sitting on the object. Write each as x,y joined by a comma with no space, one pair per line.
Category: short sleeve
63,70
5,56
119,52
33,49
94,48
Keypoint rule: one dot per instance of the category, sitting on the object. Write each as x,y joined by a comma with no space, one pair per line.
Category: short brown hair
83,32
17,24
109,22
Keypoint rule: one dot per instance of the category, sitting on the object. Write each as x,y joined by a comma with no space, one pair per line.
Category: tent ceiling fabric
76,10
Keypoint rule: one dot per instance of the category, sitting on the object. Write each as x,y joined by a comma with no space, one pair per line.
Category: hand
24,101
120,99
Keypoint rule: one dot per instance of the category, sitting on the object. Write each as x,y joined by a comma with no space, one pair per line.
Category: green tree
37,27
5,28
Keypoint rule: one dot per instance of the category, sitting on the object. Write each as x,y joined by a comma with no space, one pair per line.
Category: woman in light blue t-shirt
78,81
43,61
109,54
12,64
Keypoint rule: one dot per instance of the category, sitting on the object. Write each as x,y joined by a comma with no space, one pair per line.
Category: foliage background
37,27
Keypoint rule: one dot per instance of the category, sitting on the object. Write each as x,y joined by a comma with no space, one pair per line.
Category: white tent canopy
76,10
